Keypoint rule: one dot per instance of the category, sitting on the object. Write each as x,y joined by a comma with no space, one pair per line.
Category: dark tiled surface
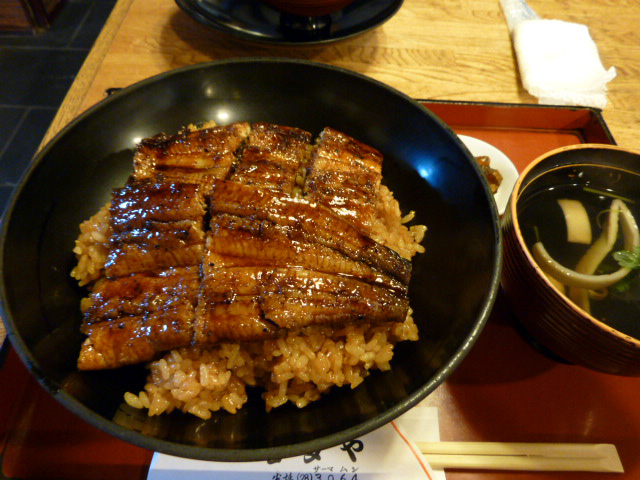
93,22
37,77
16,157
5,195
35,73
9,118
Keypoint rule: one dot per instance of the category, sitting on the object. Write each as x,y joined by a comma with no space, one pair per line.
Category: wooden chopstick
577,457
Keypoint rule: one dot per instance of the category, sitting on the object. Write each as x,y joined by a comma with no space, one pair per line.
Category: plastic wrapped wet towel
559,61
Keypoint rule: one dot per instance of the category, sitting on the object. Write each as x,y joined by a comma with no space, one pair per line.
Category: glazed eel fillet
240,233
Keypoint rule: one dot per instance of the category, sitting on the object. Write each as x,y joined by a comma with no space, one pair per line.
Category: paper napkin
559,61
387,453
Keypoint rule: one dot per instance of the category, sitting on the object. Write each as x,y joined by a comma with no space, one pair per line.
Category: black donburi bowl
453,287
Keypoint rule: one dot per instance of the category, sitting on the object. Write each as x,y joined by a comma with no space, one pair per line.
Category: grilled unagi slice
223,284
258,318
131,319
239,321
137,203
190,156
262,302
142,293
344,175
155,226
308,222
244,241
313,308
134,339
126,259
273,157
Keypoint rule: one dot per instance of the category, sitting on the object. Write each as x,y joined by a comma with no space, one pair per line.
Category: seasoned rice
390,227
92,247
296,368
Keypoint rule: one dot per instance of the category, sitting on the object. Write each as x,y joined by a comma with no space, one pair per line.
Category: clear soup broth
541,219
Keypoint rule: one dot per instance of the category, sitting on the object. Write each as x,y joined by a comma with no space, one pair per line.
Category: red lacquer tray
505,390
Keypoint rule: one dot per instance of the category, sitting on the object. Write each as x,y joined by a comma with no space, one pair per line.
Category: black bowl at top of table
453,286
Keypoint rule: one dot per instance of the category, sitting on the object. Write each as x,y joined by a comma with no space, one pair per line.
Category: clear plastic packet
516,11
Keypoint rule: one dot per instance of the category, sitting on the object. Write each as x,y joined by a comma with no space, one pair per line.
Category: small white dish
500,162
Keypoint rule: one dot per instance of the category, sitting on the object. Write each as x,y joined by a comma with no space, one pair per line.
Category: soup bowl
597,327
452,290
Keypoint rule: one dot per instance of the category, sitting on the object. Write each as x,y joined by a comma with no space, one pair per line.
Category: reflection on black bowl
453,287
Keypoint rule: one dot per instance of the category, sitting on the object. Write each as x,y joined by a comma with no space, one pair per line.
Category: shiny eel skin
240,233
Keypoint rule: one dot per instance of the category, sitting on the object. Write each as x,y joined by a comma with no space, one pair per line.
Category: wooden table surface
431,49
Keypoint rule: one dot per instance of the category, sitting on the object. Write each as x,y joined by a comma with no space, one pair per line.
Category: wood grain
454,50
13,16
